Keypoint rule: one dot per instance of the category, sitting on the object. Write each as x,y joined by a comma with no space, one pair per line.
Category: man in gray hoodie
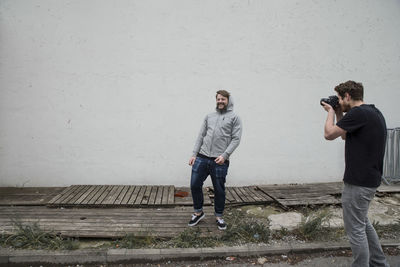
219,136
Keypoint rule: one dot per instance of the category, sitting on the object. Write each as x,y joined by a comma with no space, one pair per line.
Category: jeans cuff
218,214
198,210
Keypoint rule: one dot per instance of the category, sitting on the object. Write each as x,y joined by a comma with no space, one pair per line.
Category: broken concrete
383,210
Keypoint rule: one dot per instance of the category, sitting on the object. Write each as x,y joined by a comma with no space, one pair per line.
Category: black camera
331,100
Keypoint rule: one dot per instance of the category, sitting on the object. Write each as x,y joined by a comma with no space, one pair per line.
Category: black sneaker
221,224
196,219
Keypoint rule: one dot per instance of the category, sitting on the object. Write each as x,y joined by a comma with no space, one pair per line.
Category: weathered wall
114,92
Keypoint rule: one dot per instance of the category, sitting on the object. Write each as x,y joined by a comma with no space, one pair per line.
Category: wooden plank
241,195
31,191
60,195
146,195
253,194
247,195
28,196
138,216
102,218
105,218
228,195
134,195
13,200
77,189
97,195
184,201
322,188
85,195
140,195
43,209
99,223
78,194
91,195
66,193
159,195
128,195
311,201
300,195
164,200
121,195
261,194
171,195
153,195
116,194
104,195
236,196
389,189
112,195
109,195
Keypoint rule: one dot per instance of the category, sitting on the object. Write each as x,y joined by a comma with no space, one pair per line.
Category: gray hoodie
220,133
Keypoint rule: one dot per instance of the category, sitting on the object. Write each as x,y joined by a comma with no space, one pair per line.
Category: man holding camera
219,136
364,129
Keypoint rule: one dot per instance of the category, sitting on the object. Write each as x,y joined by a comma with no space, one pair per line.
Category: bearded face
222,102
344,103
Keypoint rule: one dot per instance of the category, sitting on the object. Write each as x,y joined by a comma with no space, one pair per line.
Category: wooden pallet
246,195
106,223
389,189
114,195
27,196
304,194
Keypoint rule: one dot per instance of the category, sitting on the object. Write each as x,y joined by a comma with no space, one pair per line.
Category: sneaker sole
222,228
193,224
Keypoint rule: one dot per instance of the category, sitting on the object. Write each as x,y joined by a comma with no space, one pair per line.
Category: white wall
114,92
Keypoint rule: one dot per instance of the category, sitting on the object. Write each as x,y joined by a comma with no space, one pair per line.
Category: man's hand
192,160
327,107
220,160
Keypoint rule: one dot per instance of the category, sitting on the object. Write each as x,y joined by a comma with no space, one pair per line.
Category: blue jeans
203,167
364,241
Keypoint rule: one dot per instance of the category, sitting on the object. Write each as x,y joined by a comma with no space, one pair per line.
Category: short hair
354,89
224,93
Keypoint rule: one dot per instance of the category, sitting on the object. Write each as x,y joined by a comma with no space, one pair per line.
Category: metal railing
391,161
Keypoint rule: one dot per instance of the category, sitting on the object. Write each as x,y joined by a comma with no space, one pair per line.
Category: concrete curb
10,256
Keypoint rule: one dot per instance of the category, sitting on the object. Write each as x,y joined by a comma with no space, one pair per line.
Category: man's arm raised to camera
332,131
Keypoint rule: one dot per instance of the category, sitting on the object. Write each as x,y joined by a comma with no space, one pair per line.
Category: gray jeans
364,241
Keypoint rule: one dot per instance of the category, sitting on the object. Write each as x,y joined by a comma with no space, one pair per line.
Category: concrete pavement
110,256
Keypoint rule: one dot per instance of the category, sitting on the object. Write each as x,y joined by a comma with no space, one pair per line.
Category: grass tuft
131,241
242,228
32,237
192,237
312,226
391,231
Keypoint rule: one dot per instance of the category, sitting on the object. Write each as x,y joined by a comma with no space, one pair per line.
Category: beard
223,106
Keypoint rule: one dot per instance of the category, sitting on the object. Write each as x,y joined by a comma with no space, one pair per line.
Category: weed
245,229
391,231
132,241
240,229
311,227
32,237
281,233
192,237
